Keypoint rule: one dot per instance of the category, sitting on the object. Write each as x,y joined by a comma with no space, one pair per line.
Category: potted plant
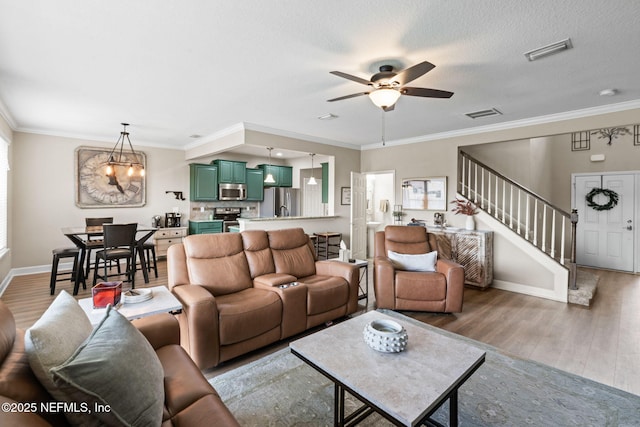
465,207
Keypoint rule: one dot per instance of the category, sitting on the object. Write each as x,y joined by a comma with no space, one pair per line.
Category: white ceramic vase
385,336
470,224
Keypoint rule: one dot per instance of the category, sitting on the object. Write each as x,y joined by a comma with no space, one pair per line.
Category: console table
472,249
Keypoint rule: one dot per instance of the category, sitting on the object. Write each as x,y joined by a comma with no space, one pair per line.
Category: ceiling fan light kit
386,86
384,98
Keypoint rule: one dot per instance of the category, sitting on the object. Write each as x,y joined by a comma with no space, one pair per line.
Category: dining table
80,235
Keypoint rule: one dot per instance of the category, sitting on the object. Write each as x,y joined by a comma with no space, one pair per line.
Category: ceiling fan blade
412,73
350,77
348,96
428,93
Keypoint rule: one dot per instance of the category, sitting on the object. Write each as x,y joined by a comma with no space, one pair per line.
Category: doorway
380,201
606,235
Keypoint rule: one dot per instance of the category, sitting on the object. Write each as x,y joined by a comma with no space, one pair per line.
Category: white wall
43,201
439,158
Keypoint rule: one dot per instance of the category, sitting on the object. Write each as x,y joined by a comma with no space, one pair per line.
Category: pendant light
269,178
118,157
312,180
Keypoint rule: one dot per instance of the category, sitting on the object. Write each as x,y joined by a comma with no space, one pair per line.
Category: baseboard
35,269
527,290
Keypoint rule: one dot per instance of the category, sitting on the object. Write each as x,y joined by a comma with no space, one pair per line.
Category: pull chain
383,128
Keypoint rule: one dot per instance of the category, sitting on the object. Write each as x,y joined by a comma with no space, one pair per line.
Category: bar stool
149,249
57,276
328,244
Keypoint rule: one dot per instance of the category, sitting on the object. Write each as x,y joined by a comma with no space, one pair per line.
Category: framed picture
345,195
94,189
425,193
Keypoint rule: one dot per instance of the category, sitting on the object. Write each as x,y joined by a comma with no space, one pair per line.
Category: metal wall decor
636,135
611,133
580,141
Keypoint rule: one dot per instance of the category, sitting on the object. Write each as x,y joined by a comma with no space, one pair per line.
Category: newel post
572,262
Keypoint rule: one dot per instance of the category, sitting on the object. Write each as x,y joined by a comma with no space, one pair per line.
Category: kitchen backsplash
249,209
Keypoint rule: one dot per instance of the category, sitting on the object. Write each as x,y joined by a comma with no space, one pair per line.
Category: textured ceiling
175,69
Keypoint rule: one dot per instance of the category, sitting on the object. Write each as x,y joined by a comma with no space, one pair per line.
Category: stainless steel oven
232,192
229,217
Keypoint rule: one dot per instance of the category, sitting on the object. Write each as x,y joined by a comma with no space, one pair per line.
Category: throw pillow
419,262
55,337
115,367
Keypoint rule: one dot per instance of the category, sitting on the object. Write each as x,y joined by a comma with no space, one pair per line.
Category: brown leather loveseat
440,290
236,292
189,399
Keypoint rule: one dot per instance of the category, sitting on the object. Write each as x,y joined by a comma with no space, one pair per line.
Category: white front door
358,224
605,238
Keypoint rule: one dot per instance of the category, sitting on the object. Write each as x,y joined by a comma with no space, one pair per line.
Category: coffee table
162,301
407,387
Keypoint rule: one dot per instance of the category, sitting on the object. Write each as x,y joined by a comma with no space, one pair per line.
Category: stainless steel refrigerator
280,202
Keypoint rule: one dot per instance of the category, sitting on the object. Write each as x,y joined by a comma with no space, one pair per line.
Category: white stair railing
547,227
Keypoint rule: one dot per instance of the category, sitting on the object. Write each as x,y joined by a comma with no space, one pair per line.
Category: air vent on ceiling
547,50
484,113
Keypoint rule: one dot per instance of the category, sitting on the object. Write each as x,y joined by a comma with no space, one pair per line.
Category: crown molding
288,134
551,118
6,115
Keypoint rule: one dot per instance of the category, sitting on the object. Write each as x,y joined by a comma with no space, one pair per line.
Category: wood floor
601,342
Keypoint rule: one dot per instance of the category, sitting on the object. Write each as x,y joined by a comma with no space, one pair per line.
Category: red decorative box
105,293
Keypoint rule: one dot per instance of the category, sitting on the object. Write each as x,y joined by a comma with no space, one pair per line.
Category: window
4,183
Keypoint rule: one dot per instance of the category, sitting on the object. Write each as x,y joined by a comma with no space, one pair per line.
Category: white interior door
358,225
605,238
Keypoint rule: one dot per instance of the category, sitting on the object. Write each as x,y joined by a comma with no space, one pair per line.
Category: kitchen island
310,224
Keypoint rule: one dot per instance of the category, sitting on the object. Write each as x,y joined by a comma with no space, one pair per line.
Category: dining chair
94,240
119,242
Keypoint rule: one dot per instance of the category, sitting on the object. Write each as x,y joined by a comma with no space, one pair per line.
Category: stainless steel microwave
232,192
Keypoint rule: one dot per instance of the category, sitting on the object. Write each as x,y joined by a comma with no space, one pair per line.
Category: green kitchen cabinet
255,185
283,175
203,182
231,172
205,227
325,182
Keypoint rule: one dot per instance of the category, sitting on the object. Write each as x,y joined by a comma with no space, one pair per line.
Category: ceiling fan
386,86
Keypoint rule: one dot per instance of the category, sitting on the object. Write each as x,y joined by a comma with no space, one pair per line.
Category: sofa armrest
199,329
159,329
349,272
454,273
384,282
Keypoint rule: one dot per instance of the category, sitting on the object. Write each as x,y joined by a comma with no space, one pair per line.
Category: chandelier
120,157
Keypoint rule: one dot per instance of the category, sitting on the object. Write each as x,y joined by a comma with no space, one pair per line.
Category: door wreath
610,194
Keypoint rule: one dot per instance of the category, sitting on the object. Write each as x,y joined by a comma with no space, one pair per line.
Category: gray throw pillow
115,368
55,337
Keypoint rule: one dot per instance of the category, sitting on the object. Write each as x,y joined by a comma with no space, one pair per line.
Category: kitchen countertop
205,220
286,218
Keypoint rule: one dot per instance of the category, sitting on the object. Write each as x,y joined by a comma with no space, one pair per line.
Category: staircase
546,229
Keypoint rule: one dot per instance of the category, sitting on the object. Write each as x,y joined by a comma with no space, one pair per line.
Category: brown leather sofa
439,291
236,294
189,399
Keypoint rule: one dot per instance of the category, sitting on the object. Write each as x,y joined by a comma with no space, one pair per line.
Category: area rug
281,390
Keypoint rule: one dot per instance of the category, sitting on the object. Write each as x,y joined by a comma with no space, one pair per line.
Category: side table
363,264
328,244
162,301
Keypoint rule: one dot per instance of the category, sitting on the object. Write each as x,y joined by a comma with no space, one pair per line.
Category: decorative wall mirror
425,193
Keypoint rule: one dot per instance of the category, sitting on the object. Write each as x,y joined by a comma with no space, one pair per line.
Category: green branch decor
610,194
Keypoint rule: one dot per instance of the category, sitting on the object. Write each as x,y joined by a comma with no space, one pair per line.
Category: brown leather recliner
236,292
439,291
224,315
189,399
